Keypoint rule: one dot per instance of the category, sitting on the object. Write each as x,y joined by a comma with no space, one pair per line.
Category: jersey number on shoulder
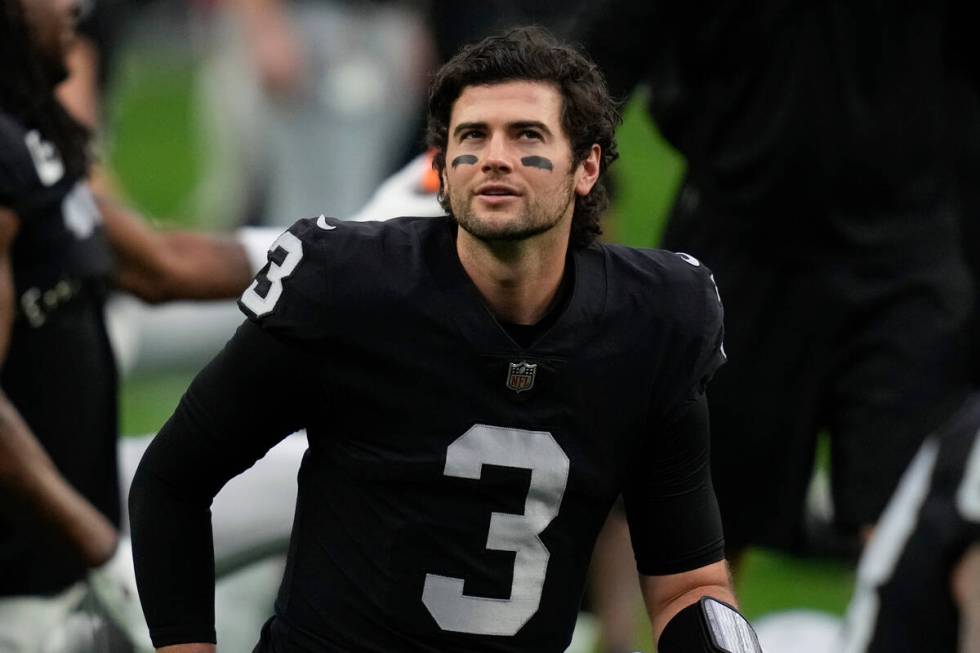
284,255
534,450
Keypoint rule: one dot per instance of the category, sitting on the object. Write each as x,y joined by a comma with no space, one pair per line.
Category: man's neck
519,280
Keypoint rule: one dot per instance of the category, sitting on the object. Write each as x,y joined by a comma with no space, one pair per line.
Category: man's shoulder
17,168
12,131
339,242
663,276
321,268
30,166
650,260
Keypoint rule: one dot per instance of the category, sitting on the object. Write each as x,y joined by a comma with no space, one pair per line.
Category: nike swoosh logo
322,223
690,259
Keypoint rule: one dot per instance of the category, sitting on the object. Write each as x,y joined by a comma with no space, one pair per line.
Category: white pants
243,597
31,624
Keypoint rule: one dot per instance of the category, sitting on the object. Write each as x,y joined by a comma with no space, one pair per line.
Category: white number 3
534,450
277,271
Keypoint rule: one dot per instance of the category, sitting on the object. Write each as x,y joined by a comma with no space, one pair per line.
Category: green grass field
155,155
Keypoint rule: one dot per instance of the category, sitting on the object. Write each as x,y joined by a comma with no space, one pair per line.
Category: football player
819,190
918,585
61,248
476,396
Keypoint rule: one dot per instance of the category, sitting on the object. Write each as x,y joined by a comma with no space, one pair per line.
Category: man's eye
471,134
531,134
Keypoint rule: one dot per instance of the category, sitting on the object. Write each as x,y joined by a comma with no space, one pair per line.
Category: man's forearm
27,472
666,612
665,596
966,592
208,266
160,266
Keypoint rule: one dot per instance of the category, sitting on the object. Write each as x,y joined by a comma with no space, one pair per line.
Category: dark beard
472,224
472,227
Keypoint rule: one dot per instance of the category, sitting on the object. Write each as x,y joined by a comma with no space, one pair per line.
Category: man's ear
587,172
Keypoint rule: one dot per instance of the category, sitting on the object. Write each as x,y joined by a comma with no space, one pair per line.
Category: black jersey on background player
455,480
818,142
59,370
810,122
904,599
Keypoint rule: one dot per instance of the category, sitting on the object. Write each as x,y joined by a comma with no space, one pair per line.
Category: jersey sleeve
318,275
254,393
700,350
670,502
673,515
16,172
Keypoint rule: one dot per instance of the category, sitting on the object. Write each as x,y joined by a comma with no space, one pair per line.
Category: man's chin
490,232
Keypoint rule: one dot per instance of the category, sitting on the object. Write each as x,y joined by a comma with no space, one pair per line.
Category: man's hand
274,45
113,585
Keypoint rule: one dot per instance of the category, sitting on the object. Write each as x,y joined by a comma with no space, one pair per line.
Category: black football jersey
763,99
59,371
455,482
903,601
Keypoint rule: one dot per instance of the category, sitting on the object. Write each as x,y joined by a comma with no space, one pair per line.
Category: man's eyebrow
463,126
530,124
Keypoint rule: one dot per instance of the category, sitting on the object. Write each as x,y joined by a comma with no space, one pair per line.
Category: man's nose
497,155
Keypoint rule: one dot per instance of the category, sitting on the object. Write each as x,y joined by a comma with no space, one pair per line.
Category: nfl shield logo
520,376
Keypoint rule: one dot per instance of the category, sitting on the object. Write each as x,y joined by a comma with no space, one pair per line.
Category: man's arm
683,563
254,393
966,593
695,612
158,266
26,471
274,44
665,596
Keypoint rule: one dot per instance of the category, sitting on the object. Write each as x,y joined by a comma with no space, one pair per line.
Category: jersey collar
574,327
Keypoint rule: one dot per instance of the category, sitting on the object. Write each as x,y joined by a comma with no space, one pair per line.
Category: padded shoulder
17,173
321,271
678,294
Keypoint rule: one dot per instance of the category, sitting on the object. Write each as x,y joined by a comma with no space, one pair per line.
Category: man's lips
497,190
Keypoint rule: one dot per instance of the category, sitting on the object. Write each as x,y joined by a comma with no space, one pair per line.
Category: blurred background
164,108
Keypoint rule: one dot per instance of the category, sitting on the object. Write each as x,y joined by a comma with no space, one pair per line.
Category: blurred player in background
818,141
918,585
61,249
306,104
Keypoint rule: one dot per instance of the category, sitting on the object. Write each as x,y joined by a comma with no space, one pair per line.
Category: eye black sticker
465,159
538,162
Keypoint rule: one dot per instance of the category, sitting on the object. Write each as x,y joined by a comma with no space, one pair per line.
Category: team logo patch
520,376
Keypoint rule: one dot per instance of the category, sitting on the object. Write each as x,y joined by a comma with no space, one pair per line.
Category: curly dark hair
589,114
27,91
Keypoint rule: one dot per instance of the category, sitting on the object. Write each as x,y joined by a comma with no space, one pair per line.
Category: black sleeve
702,351
16,171
670,503
242,403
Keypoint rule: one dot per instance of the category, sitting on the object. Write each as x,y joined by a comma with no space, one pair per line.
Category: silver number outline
276,273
